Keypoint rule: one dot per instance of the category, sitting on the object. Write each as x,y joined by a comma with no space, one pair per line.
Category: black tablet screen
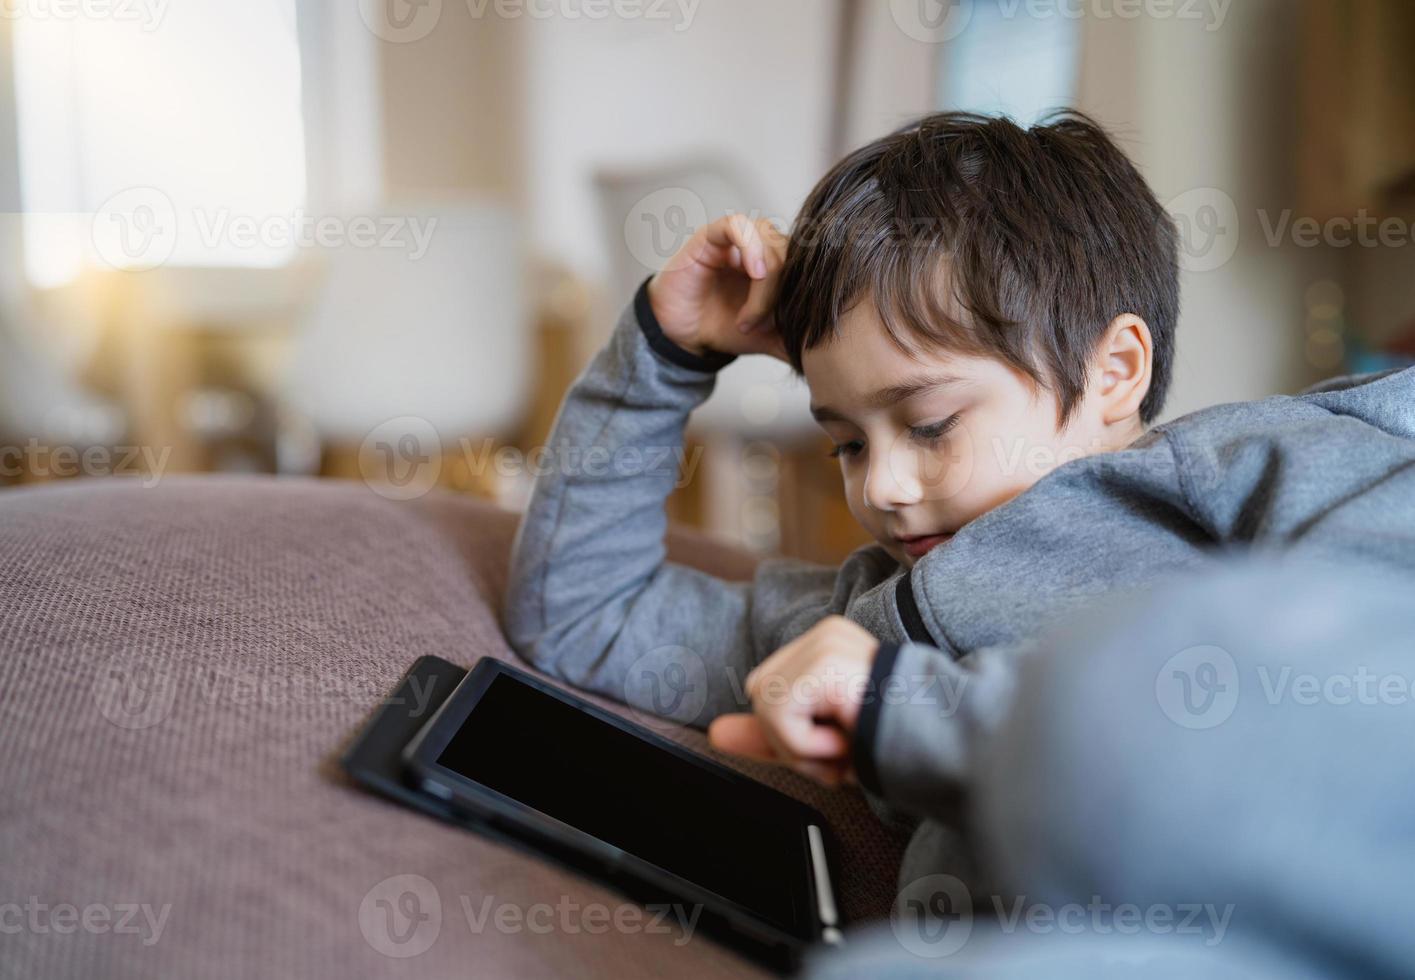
732,838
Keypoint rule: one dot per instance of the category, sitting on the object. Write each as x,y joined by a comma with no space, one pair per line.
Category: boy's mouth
916,545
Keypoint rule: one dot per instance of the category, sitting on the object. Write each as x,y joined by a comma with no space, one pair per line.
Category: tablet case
375,761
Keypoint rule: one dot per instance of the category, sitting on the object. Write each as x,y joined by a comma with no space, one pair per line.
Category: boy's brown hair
971,234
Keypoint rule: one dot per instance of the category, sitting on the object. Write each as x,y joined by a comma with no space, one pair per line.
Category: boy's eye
923,433
932,431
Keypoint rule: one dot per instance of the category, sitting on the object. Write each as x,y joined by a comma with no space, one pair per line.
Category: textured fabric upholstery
180,670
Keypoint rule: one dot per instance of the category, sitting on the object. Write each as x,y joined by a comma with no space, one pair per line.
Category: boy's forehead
862,367
860,341
862,349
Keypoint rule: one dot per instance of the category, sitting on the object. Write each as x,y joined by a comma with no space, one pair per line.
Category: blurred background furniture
430,344
180,670
128,296
43,406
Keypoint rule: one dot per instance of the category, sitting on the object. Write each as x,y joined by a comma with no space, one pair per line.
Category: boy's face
927,445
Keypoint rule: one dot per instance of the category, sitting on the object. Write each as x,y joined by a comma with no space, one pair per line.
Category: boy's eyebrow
890,396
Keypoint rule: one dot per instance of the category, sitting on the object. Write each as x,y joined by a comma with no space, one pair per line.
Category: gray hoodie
592,600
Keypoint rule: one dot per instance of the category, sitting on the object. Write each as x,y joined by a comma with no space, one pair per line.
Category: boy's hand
717,292
805,702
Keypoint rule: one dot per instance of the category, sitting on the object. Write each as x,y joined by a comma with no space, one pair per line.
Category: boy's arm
924,720
591,598
1097,527
1323,475
920,706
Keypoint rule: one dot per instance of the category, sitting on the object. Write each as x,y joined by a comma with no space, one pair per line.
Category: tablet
525,757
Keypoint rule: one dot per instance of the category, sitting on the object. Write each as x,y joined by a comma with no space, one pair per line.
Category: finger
798,736
766,744
762,295
712,255
741,734
761,298
739,230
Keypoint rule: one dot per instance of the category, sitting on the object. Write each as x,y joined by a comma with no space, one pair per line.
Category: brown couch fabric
265,619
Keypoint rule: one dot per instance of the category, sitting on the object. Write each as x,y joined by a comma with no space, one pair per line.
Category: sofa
181,668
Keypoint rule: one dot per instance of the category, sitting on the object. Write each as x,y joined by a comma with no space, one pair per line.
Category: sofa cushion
181,668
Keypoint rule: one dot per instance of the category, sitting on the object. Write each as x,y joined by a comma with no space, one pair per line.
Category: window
1014,57
154,132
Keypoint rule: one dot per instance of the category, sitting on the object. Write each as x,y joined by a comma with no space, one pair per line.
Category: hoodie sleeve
591,597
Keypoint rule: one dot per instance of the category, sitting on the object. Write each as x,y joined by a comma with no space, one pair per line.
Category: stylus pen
825,898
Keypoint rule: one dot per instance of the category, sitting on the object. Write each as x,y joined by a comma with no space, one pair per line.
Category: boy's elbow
532,632
522,619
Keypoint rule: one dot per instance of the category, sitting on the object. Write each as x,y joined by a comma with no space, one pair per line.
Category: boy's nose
891,482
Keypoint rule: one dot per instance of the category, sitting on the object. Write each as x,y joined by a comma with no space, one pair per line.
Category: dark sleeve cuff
862,749
667,349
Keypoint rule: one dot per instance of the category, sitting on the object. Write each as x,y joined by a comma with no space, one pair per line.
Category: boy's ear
1124,362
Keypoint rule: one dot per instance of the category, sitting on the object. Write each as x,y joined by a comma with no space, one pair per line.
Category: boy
985,318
